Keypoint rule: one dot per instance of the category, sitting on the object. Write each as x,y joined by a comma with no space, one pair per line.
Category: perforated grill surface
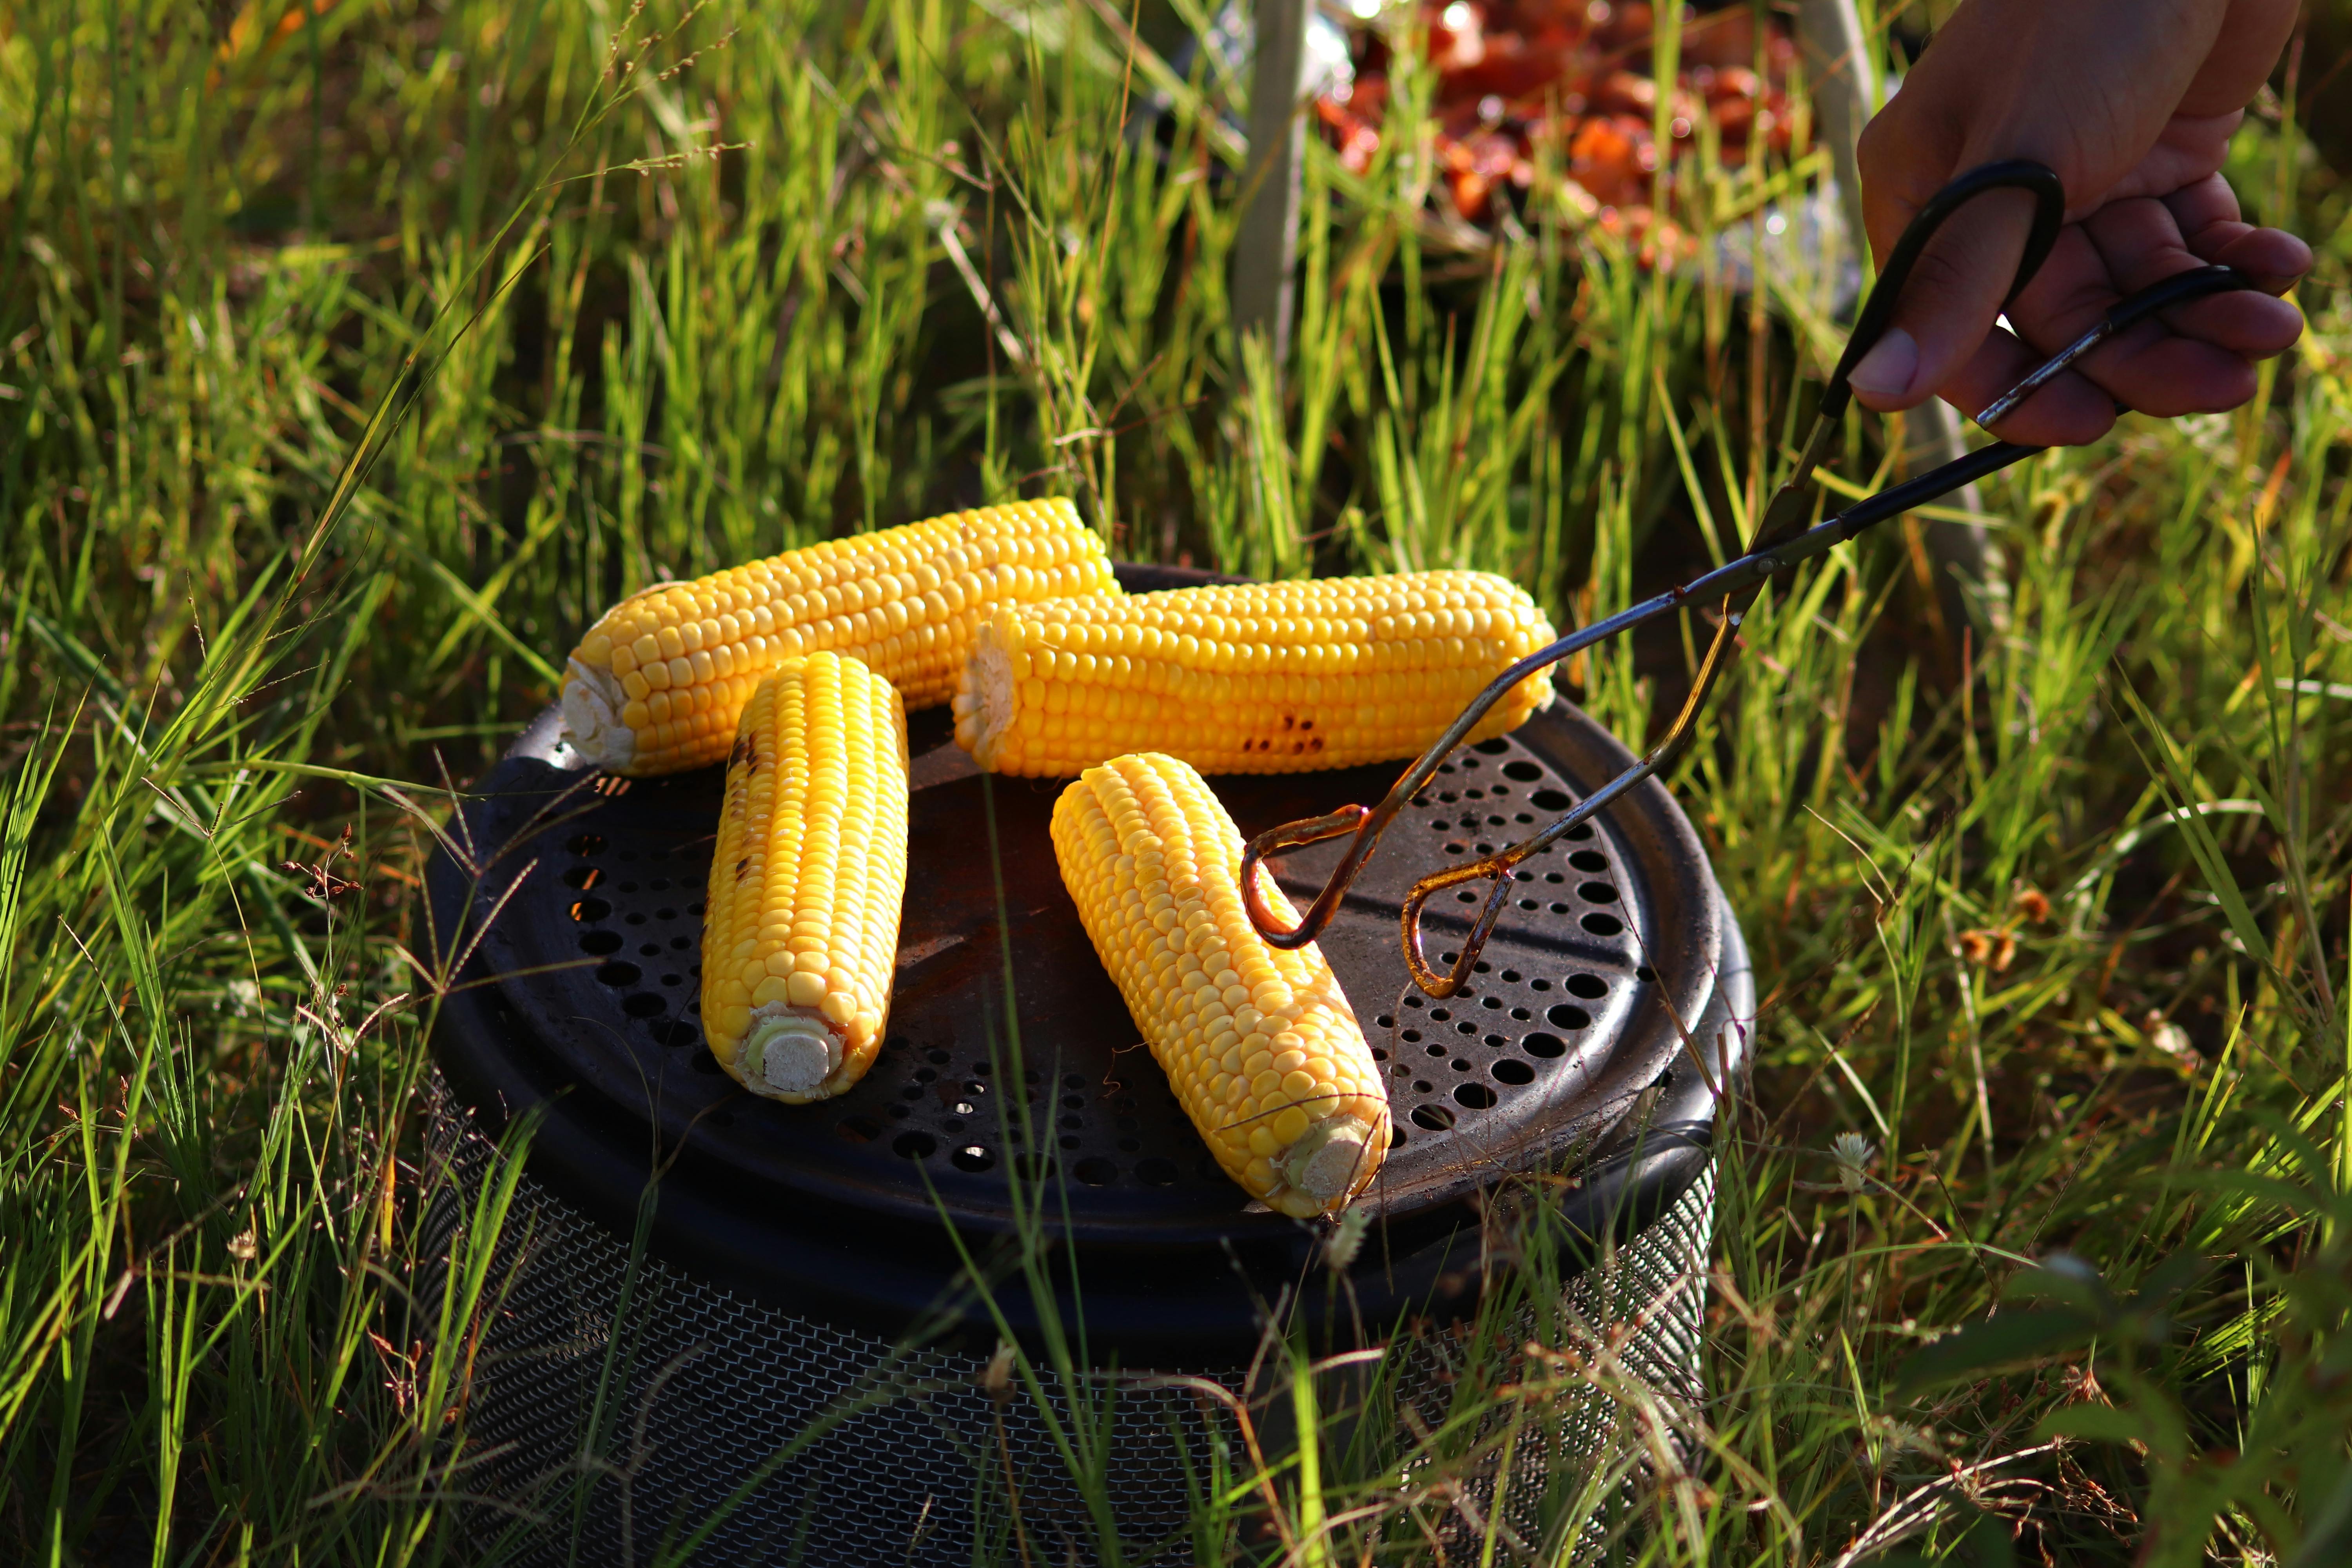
607,927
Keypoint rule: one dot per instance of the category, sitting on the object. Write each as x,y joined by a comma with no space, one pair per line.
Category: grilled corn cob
1261,1044
1260,677
656,684
800,932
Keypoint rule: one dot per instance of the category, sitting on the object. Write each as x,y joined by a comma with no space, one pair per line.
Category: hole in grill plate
1522,770
600,942
915,1145
1591,988
1096,1173
1589,860
645,1005
1476,1095
1567,1017
1510,1069
1156,1173
1550,800
1600,924
973,1158
588,910
1596,892
1435,1117
1544,1045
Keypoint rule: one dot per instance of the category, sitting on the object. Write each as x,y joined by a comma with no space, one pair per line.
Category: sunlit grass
351,358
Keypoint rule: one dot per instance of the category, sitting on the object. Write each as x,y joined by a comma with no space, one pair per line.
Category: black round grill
576,902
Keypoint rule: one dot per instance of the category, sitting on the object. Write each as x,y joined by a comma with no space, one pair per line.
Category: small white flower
1347,1239
1854,1155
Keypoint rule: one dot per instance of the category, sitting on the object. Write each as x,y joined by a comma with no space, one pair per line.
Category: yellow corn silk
656,685
800,935
1261,1045
1250,679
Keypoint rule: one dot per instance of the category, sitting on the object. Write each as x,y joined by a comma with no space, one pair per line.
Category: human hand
2133,102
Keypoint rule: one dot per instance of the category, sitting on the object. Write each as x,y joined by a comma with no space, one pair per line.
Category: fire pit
784,1249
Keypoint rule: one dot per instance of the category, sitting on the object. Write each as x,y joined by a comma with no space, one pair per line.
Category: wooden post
1267,243
1838,67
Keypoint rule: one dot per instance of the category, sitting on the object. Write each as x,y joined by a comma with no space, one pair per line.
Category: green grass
348,368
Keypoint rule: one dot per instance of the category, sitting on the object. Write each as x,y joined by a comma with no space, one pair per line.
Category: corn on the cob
656,684
1257,679
1261,1044
800,933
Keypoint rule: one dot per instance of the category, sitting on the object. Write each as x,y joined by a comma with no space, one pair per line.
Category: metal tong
1785,537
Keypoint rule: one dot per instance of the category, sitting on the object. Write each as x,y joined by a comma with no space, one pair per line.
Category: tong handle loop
2015,174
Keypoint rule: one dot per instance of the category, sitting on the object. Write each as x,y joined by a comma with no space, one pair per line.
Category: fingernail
1887,369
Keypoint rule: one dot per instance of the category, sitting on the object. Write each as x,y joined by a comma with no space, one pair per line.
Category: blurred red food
1573,76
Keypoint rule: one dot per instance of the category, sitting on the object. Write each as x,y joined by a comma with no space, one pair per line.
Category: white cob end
593,701
789,1052
996,698
1327,1157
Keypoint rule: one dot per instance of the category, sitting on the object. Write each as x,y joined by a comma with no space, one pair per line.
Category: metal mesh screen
701,1386
1628,1332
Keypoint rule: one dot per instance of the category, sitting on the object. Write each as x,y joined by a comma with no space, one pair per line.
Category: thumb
1949,302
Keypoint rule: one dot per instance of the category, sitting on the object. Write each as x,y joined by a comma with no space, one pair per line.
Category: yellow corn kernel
1261,1045
799,931
1258,677
655,686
